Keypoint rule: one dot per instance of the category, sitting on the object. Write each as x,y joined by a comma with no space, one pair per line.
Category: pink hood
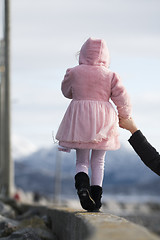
94,52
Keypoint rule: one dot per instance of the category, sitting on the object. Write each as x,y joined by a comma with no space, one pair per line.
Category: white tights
97,164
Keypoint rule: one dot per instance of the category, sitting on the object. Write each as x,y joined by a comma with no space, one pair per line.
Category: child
90,122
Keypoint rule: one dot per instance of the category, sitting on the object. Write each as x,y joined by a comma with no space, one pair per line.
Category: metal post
7,177
2,79
2,103
57,179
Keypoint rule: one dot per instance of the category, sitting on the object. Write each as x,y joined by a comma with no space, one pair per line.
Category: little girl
90,122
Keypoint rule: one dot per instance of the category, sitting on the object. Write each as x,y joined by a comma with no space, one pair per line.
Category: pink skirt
89,124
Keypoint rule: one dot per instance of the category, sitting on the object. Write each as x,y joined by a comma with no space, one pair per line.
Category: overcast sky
45,37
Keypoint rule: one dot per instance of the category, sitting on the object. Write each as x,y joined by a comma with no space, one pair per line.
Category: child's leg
82,160
97,167
82,182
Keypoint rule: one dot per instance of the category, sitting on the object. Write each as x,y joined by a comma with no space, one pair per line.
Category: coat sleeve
66,85
120,97
146,151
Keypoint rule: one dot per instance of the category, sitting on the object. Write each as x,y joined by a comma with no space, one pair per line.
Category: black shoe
83,190
96,193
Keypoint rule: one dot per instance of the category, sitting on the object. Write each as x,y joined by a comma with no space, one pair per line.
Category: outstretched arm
142,147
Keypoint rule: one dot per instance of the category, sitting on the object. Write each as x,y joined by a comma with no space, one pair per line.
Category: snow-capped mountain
124,172
21,147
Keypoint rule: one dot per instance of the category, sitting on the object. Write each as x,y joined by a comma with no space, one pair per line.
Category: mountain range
45,169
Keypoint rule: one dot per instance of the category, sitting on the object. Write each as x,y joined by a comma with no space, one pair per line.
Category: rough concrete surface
111,227
83,225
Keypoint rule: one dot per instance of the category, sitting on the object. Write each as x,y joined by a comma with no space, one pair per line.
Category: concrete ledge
111,227
70,225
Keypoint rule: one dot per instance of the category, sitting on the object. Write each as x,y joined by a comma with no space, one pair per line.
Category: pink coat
91,121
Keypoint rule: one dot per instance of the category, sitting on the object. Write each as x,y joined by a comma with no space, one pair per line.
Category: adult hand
128,124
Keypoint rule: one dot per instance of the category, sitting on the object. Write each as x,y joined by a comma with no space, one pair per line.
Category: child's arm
66,85
120,97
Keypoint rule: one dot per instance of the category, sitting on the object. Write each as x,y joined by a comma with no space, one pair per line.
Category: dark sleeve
146,151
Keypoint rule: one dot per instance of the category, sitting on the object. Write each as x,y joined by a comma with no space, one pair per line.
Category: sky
45,37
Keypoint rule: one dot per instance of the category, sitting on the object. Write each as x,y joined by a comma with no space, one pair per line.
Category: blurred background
45,37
